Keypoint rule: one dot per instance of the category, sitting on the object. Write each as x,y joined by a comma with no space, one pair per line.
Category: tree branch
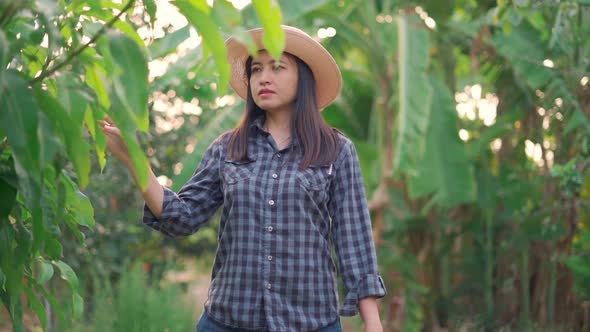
80,49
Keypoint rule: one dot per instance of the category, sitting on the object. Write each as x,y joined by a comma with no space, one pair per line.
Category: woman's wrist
370,313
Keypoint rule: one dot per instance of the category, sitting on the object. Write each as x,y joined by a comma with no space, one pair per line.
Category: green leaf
8,187
150,7
138,158
199,18
70,127
19,121
168,44
95,78
130,80
130,32
50,143
53,247
100,140
4,47
44,272
68,274
415,95
444,168
77,305
24,241
85,211
7,198
16,313
525,50
225,15
55,306
72,97
578,119
271,18
242,35
37,306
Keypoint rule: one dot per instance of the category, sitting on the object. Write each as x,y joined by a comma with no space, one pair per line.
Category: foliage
64,65
138,304
481,231
484,231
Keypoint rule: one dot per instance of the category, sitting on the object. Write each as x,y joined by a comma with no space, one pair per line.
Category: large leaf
525,50
95,78
77,204
70,128
197,13
126,66
68,274
19,120
225,15
44,271
130,79
271,18
415,95
85,211
444,168
100,141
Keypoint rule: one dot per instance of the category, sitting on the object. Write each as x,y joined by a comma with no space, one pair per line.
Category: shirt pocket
235,171
315,181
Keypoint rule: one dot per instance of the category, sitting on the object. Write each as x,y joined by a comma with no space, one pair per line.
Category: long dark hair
318,142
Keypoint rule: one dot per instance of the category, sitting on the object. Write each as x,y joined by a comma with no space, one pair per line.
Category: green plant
135,304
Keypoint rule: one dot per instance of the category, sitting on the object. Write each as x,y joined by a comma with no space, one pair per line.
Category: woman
290,186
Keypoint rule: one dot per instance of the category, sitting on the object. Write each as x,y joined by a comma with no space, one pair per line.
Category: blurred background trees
470,119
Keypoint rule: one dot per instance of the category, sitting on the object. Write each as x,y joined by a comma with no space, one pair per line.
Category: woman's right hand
115,143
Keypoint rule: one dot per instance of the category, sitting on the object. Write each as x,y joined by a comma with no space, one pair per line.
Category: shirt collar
258,124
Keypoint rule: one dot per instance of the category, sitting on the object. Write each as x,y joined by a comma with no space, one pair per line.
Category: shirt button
268,285
274,176
279,155
269,257
271,202
269,229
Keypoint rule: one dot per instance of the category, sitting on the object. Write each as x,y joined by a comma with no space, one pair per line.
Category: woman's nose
265,75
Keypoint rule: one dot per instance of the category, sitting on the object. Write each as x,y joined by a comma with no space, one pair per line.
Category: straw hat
325,70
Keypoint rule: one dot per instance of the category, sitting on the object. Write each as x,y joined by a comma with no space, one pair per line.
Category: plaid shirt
273,269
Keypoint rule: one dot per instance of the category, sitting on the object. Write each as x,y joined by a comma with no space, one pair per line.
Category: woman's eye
277,68
255,69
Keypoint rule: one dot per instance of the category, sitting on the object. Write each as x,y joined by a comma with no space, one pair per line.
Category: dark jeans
206,324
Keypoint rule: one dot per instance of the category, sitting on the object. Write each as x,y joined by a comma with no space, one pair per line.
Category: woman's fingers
107,126
108,119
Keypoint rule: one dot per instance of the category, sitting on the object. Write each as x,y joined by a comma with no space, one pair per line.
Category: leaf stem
80,49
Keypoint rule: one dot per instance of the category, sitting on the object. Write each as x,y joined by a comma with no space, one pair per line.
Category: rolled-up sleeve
183,213
352,234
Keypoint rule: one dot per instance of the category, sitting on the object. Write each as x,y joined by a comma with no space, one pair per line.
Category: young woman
290,187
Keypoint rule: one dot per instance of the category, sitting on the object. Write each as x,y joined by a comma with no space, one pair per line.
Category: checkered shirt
274,269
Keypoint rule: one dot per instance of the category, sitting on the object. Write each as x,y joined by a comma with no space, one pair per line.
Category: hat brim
328,78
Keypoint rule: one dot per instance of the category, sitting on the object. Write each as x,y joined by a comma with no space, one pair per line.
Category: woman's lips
265,92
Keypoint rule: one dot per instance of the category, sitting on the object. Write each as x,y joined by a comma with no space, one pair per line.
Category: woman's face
273,85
